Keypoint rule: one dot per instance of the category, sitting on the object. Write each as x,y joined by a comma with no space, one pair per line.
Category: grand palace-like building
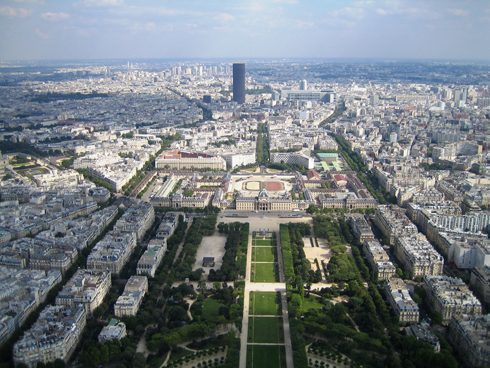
263,202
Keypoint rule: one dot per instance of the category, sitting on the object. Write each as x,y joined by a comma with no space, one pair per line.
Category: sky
132,29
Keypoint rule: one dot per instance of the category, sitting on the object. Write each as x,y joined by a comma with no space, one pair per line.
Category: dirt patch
273,186
211,246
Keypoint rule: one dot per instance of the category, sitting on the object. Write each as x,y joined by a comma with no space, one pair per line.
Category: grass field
264,272
311,302
264,303
263,254
265,329
211,310
265,356
267,242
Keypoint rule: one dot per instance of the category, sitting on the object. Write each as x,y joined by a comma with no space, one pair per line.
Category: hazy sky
88,29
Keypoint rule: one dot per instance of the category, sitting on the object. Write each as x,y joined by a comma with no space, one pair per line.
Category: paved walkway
284,306
246,306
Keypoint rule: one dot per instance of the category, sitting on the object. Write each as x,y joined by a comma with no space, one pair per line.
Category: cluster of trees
227,142
302,267
325,227
201,226
339,110
362,327
140,174
287,256
235,252
12,147
167,140
97,181
96,354
262,144
55,96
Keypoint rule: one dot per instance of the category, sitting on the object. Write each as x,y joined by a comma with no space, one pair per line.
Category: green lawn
311,302
211,310
264,303
265,329
263,272
263,254
263,242
260,356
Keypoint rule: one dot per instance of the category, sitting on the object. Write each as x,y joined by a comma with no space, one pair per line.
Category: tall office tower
239,82
303,85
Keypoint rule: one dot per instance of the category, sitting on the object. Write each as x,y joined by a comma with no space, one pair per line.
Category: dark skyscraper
239,82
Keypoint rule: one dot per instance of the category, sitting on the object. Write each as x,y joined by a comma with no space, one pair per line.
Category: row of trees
262,144
365,175
235,252
201,226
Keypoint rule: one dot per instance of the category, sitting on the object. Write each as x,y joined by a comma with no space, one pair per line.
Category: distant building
293,158
303,95
180,160
239,83
471,338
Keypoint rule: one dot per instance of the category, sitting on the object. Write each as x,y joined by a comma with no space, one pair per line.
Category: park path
270,287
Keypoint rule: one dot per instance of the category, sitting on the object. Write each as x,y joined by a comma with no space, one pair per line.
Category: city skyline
109,29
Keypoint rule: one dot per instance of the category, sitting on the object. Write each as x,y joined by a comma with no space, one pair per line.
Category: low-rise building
418,256
406,310
423,333
86,287
379,260
115,330
53,336
180,160
471,339
151,258
263,202
112,252
293,158
137,219
450,297
130,301
393,222
480,281
360,228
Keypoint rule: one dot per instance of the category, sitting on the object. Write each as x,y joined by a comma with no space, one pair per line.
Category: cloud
41,34
10,11
288,2
55,17
458,12
29,1
224,17
102,3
